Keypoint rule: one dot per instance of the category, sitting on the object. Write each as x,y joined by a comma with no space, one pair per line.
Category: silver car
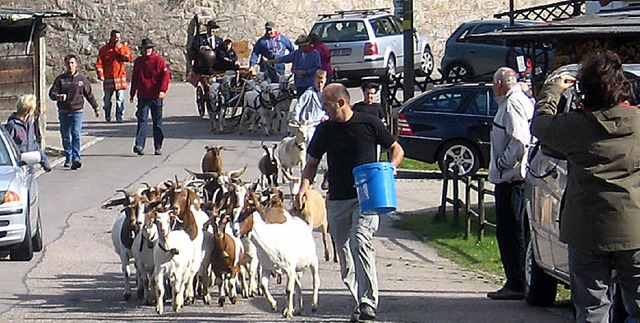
546,257
20,222
369,43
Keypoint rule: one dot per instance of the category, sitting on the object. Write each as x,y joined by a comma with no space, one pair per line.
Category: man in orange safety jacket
111,69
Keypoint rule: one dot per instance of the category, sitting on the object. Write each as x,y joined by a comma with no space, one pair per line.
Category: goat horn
205,175
238,173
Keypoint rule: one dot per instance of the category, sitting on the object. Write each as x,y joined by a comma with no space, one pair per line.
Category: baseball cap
270,25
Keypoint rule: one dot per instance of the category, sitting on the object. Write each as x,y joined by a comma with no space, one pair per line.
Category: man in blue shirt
306,62
271,45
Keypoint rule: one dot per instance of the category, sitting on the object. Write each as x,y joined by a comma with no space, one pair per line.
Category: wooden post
39,66
456,198
442,210
467,206
481,211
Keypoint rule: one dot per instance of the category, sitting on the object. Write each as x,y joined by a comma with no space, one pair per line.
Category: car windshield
5,159
341,31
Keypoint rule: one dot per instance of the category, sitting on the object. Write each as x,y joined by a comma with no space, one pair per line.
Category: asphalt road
78,276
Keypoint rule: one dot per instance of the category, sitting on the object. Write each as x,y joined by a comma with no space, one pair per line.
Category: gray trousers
591,278
352,233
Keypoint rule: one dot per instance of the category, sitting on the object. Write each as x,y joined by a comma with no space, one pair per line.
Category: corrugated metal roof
28,14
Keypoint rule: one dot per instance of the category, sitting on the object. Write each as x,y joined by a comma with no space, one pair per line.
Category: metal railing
479,213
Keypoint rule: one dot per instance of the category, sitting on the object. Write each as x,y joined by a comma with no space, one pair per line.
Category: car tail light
9,196
370,48
403,126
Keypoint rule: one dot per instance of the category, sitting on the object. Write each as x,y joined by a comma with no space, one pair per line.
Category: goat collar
163,248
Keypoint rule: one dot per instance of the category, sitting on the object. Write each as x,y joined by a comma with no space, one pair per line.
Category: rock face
166,22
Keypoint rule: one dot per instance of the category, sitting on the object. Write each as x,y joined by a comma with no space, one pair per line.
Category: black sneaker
76,164
138,150
367,312
505,293
67,163
158,152
355,316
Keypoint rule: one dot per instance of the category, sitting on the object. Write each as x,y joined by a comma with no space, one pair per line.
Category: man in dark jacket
599,216
21,128
203,49
149,81
69,90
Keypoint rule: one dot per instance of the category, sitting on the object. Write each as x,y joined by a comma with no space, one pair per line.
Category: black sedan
450,124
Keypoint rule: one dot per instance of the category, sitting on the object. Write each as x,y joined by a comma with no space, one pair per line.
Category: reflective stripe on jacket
110,66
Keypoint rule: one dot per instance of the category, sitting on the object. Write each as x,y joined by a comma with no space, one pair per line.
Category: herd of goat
213,228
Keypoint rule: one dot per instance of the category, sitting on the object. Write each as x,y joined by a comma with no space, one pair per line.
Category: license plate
341,52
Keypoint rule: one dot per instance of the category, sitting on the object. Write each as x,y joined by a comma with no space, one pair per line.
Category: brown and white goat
226,260
125,228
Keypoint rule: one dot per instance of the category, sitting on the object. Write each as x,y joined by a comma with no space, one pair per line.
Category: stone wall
166,22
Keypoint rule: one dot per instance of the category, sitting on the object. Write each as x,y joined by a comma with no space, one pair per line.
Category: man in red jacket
111,69
149,81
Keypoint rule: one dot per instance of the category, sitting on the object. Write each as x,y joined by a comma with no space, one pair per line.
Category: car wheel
540,289
200,100
391,68
426,63
24,251
458,72
36,241
459,154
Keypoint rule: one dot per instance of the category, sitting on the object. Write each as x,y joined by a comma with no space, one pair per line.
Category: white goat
171,256
142,250
258,104
283,247
292,151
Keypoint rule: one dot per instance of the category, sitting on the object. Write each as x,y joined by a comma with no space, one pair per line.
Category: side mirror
29,158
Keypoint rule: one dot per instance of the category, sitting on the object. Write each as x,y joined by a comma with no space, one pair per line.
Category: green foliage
441,234
413,164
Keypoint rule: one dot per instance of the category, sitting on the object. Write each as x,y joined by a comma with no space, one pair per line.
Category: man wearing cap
149,81
271,45
306,62
203,44
111,69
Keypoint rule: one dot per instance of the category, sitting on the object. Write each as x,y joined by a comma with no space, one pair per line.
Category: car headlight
9,196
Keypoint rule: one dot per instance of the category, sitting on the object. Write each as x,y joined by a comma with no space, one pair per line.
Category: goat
216,107
181,202
283,94
269,165
313,211
124,230
288,247
257,106
292,151
227,257
142,250
171,256
211,161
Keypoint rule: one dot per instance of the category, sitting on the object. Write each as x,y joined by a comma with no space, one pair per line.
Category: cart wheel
200,101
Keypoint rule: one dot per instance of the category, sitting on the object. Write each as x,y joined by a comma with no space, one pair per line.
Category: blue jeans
591,279
509,203
70,129
144,107
119,104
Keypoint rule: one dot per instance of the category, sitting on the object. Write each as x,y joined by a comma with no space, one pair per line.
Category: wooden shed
22,60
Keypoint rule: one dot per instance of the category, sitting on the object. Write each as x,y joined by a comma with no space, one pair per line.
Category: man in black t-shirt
349,139
369,91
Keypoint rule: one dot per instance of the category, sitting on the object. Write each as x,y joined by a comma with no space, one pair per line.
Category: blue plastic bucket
376,187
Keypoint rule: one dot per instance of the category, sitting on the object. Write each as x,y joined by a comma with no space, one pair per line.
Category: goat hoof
297,312
127,296
287,313
234,299
314,307
221,301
